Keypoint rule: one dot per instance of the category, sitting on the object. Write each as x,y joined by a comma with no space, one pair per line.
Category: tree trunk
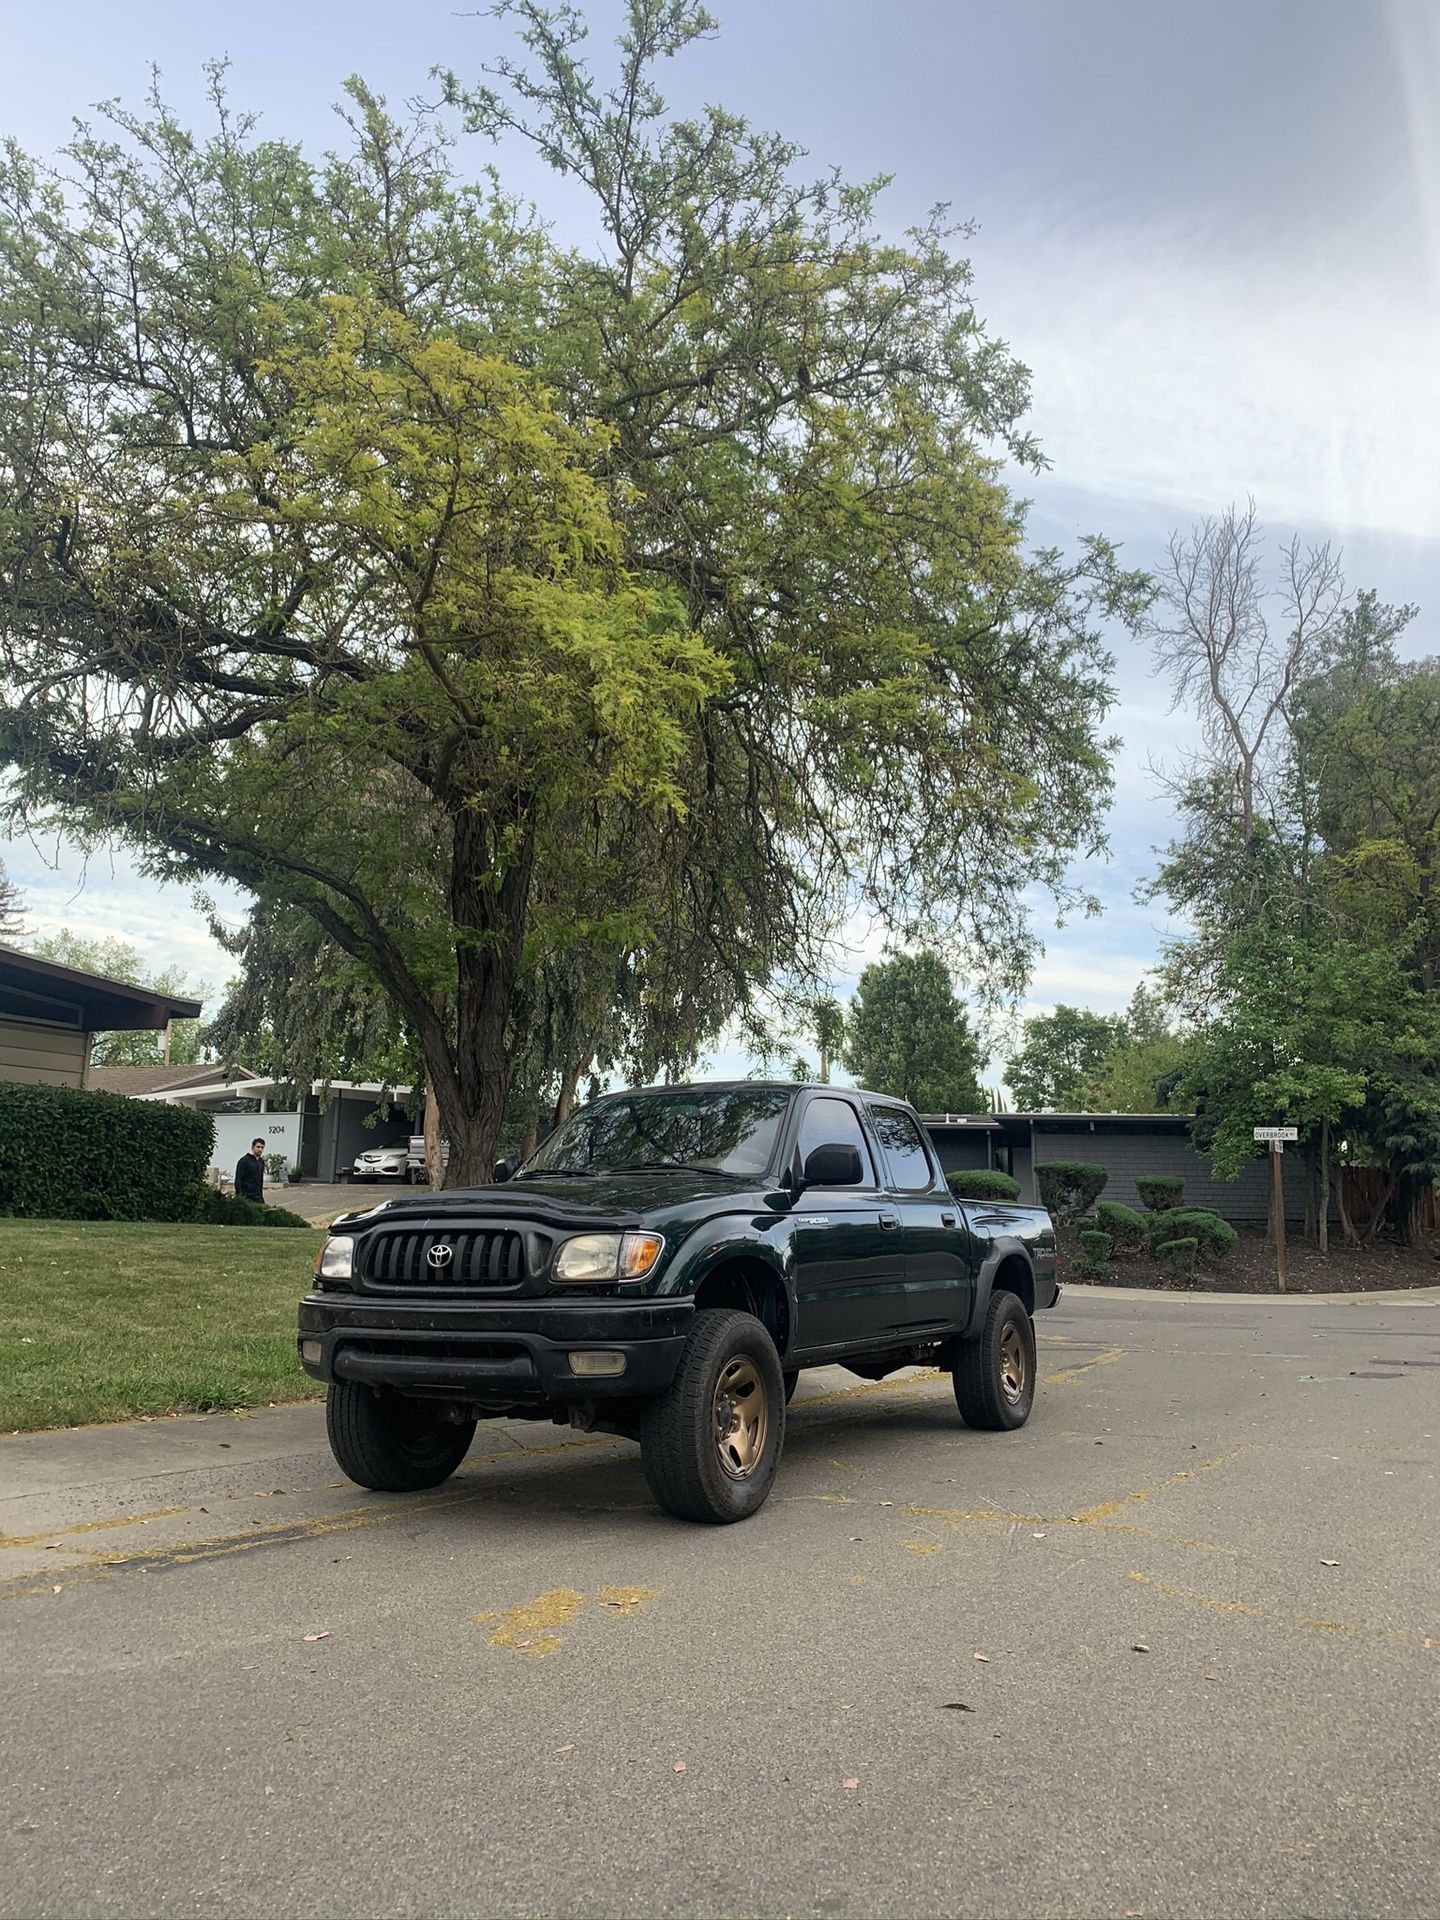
1324,1224
1409,1205
1347,1225
1377,1219
434,1159
1308,1230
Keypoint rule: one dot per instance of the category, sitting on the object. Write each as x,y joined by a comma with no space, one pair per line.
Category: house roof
103,1004
133,1081
1065,1122
254,1084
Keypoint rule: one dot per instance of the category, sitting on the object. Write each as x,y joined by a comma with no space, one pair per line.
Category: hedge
1177,1258
1094,1254
982,1183
69,1155
1216,1236
1158,1191
1127,1227
1070,1187
230,1210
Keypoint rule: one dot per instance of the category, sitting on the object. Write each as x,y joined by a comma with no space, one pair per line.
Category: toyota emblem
440,1255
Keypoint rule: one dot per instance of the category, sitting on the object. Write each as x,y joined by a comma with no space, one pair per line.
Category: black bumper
503,1354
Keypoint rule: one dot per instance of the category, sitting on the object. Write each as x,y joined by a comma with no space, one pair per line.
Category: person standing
250,1174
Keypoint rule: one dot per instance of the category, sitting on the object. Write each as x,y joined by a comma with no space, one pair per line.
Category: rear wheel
390,1442
994,1374
711,1442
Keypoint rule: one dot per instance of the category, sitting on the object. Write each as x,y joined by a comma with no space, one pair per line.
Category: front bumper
500,1354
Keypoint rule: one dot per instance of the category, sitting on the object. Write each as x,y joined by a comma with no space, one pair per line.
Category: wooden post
1277,1208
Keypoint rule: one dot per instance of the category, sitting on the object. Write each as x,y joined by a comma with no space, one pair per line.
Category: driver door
849,1257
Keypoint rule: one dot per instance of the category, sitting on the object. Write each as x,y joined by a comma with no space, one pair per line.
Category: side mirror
832,1165
506,1169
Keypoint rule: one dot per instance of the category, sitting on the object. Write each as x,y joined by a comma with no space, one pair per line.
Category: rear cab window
902,1149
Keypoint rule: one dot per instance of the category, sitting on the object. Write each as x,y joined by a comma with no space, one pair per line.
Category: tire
710,1444
994,1374
792,1380
391,1443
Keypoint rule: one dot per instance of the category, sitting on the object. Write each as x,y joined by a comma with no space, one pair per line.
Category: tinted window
904,1151
731,1130
835,1123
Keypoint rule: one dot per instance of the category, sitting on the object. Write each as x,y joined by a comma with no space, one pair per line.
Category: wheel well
1013,1275
754,1288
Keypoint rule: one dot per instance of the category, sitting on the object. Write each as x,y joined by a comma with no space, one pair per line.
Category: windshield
728,1130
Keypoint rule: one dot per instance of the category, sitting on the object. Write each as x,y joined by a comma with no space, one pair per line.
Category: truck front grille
478,1259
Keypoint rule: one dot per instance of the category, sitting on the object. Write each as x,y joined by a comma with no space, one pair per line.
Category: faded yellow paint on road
1388,1635
88,1526
919,1546
532,1629
1109,1508
1067,1374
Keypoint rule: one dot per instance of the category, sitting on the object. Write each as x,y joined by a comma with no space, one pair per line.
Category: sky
1213,235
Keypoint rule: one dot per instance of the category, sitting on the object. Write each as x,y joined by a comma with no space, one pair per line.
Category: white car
383,1163
415,1159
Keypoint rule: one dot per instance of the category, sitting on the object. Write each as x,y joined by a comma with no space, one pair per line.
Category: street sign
1277,1133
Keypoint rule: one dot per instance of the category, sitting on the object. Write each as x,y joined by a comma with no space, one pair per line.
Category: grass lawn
100,1321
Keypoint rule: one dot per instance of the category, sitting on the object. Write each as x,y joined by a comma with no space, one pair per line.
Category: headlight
337,1258
608,1256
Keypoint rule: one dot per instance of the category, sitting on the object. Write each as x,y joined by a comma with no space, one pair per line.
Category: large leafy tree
908,1034
629,613
117,960
1061,1055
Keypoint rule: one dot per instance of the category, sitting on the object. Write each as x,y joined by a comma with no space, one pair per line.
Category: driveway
1173,1649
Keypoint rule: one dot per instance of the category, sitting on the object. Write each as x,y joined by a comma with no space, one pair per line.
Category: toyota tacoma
662,1268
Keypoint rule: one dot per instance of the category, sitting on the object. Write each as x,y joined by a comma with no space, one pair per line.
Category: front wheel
392,1443
994,1374
710,1444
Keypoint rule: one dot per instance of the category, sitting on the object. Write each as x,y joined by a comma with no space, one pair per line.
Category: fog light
311,1352
597,1363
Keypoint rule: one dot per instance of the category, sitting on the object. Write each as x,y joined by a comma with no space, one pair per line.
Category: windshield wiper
673,1166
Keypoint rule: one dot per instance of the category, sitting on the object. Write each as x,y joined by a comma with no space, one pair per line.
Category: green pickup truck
663,1268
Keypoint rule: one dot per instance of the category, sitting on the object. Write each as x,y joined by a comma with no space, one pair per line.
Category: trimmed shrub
70,1155
982,1183
1070,1187
229,1210
1176,1259
1216,1236
1127,1227
1158,1191
1094,1255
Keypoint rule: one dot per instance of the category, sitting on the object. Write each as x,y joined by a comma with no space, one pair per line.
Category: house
1127,1145
50,1014
319,1131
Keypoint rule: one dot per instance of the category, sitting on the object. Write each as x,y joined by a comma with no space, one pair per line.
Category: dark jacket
250,1177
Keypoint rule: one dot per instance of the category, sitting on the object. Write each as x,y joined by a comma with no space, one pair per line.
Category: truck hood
655,1200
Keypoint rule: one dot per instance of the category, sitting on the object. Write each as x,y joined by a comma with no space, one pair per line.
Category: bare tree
1235,649
12,908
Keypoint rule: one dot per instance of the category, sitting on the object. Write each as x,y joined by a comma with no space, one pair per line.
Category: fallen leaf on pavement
318,1636
1037,1536
1329,1563
1212,1676
983,1656
1139,1646
679,1766
569,1749
957,1706
57,1589
850,1785
887,1503
268,1792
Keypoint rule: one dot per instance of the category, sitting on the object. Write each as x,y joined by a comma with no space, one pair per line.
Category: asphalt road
260,1692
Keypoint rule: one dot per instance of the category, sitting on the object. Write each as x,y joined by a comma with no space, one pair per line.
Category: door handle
890,1220
947,1219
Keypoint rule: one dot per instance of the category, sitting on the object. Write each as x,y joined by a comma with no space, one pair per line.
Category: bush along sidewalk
1069,1187
1176,1259
68,1155
1128,1229
1215,1236
1158,1191
983,1183
1094,1259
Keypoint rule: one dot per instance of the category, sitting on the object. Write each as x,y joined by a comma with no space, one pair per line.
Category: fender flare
1008,1248
721,1250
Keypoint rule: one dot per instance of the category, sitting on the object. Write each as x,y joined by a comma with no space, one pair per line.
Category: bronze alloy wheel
1012,1362
742,1417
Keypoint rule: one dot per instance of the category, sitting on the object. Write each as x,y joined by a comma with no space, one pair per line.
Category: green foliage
982,1183
1062,1054
1215,1235
277,1165
1138,1077
572,637
118,960
12,909
909,1035
1128,1229
231,1210
67,1155
1158,1191
1094,1257
1176,1258
1069,1187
